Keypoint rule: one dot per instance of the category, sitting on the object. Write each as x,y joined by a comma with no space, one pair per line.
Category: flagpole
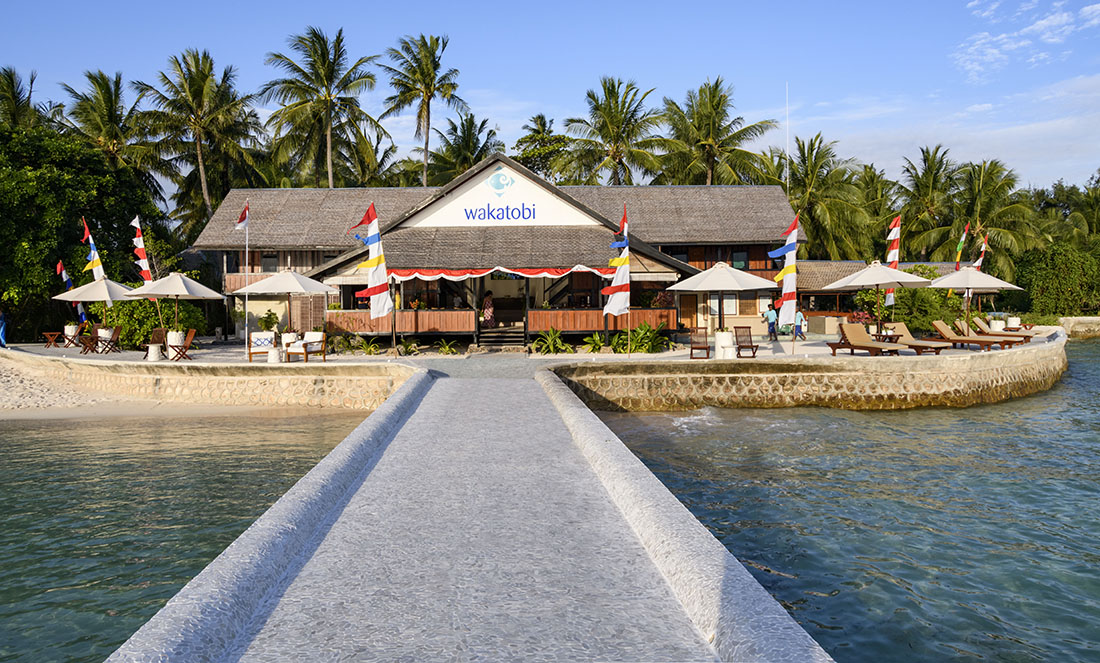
247,279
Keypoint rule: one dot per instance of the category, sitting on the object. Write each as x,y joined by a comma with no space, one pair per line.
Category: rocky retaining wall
352,386
1080,327
848,382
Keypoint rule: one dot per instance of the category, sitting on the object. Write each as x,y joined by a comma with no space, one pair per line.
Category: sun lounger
1025,336
313,343
920,347
743,338
957,341
180,351
854,336
259,343
700,342
965,330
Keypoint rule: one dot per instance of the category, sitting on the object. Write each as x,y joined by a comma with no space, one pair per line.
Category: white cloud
984,52
983,8
979,108
1052,29
1090,16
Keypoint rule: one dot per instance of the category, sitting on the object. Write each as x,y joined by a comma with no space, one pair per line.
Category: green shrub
138,318
409,346
643,338
268,321
550,342
594,343
446,347
1060,280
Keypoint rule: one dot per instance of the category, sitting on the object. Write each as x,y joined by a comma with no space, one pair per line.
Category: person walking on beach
3,329
799,324
770,316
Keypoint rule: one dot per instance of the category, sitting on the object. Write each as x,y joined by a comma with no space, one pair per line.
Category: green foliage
916,307
409,346
461,147
334,306
367,346
594,343
1061,280
550,342
340,344
268,321
643,338
540,153
139,318
1039,319
446,347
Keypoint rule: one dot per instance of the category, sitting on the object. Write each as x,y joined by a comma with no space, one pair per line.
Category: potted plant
723,338
71,329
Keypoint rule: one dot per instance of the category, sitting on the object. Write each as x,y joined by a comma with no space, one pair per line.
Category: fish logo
499,181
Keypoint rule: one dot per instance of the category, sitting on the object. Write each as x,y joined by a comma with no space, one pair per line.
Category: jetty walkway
479,528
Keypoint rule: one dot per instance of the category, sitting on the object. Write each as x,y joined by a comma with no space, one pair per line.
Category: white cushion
263,339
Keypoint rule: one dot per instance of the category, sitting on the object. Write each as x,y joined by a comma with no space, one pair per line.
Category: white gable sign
499,197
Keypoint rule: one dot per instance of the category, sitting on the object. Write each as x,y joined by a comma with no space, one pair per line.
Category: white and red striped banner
139,250
893,243
788,276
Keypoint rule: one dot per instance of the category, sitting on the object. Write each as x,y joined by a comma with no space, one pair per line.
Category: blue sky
1014,80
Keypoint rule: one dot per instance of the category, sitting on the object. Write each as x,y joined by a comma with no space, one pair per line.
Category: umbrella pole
177,312
159,313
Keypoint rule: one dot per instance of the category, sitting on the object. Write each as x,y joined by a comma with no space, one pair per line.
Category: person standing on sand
799,324
771,317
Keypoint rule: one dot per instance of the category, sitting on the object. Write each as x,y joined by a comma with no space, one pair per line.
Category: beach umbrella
175,286
286,283
971,281
878,276
723,278
101,290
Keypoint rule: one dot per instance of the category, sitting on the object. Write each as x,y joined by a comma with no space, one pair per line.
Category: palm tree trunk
427,130
710,172
328,138
202,179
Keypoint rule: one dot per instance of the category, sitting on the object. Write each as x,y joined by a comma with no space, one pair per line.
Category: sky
1012,80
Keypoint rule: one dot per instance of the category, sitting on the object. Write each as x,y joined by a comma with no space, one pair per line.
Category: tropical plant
365,160
461,147
368,346
928,188
540,148
268,321
196,113
643,338
138,318
594,343
319,96
409,346
17,109
707,143
619,135
1060,280
447,347
828,202
417,77
880,201
551,342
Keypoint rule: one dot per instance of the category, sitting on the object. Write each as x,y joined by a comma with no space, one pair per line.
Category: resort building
542,250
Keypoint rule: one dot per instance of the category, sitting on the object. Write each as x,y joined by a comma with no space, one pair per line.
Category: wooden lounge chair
853,336
313,343
956,341
965,330
74,340
743,338
1024,336
180,351
259,343
106,345
700,342
920,347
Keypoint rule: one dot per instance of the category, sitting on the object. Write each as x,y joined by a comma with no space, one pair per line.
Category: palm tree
709,142
987,199
16,107
619,134
928,189
880,201
461,147
101,117
197,110
829,203
317,95
539,125
417,78
366,161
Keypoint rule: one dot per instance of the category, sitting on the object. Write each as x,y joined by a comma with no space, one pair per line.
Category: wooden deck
464,321
589,320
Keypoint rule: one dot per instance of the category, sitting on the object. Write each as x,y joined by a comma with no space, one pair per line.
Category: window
676,252
729,305
269,262
739,259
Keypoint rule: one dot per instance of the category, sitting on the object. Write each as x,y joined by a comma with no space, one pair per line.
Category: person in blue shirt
799,324
3,329
770,316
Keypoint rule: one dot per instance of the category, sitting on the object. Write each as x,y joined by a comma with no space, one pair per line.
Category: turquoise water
923,535
106,519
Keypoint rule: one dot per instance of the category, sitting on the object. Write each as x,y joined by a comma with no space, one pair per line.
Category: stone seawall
1081,327
847,382
349,386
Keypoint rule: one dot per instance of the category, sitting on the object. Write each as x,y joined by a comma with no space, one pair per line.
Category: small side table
154,353
273,356
51,339
886,337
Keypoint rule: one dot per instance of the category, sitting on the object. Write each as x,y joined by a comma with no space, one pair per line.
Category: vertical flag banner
94,263
242,222
139,250
959,248
893,243
618,300
788,276
69,286
378,287
981,256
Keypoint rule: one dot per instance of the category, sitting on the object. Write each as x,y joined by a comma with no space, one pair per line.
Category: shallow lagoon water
106,519
924,535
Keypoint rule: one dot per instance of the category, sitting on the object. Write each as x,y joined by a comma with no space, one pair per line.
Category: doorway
689,310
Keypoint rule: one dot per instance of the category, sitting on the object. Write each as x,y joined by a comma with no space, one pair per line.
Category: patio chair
920,347
984,328
107,345
158,336
853,336
87,344
74,340
965,330
699,342
742,337
180,351
259,343
313,343
957,341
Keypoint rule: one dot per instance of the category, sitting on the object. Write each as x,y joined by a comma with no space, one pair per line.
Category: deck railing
460,321
590,320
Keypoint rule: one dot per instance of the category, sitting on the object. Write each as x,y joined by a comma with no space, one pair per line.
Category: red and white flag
242,220
981,256
893,243
139,250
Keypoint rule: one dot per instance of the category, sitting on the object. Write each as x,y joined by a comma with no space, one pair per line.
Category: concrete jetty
473,518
